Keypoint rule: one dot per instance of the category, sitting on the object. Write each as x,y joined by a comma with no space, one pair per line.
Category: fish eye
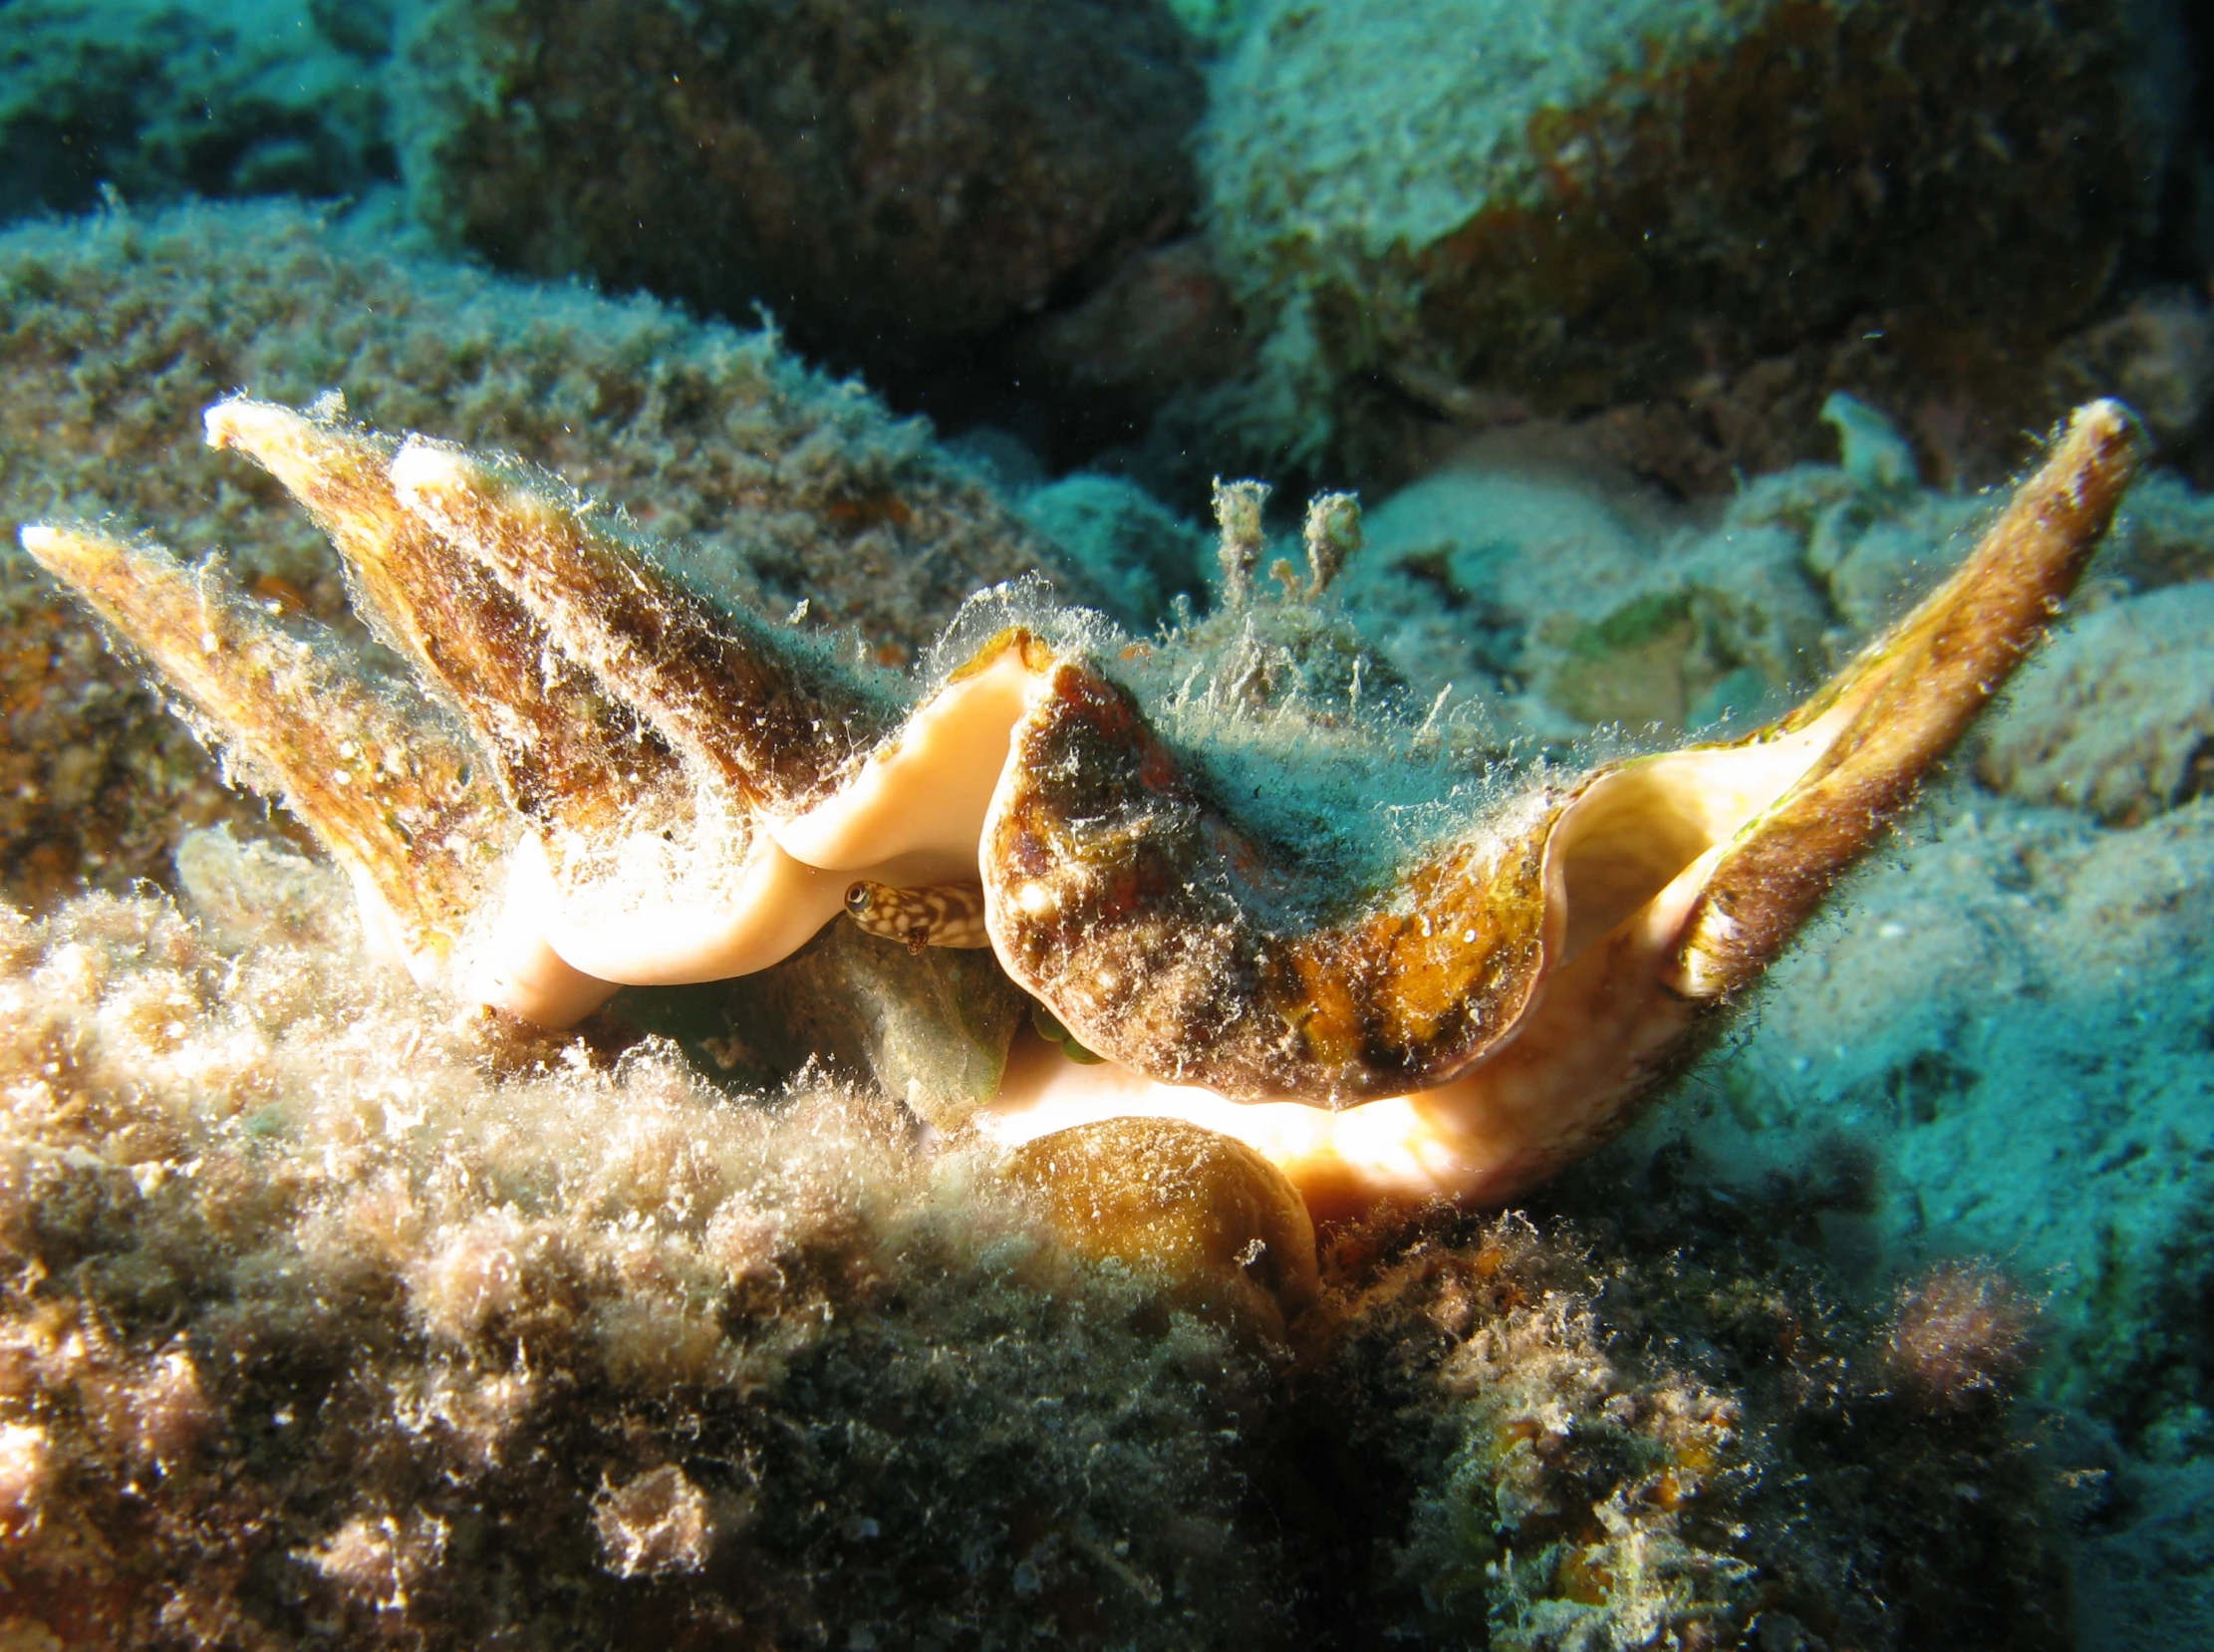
857,900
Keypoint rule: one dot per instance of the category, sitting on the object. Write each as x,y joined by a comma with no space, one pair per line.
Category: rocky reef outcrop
152,99
1477,206
894,181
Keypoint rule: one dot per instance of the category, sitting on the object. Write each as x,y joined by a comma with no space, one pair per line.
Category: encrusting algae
330,1317
333,1317
673,792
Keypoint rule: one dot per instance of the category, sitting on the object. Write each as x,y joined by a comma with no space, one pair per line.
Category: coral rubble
2119,717
1698,1446
1529,569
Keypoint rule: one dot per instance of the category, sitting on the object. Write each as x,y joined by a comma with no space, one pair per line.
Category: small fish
945,914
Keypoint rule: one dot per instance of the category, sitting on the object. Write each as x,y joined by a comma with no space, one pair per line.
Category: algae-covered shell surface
648,789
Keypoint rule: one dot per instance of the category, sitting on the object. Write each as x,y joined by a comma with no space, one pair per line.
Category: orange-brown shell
1163,936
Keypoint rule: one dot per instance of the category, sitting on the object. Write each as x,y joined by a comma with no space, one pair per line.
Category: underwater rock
2158,354
1760,624
1566,594
1872,563
892,181
1590,203
1697,1444
2163,534
1161,321
1472,576
1121,374
786,488
2056,1119
2117,717
2051,1117
329,1317
159,100
1137,554
1213,22
334,1317
2145,1583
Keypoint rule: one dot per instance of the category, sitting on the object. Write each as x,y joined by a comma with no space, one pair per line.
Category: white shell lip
925,791
554,955
912,815
655,937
